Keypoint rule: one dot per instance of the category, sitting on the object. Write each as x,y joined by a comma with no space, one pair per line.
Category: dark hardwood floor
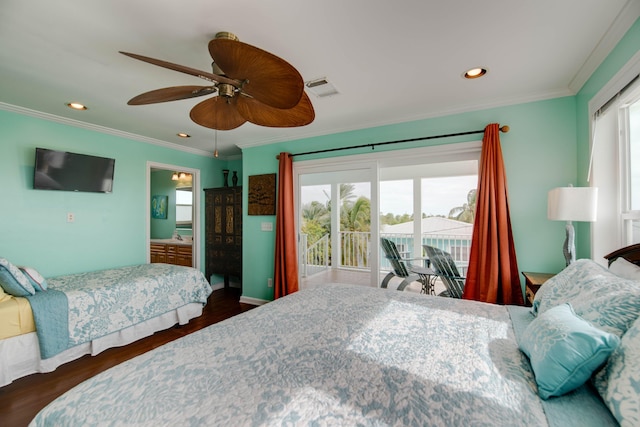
21,400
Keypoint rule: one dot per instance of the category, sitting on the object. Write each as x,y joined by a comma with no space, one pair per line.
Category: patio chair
402,267
445,267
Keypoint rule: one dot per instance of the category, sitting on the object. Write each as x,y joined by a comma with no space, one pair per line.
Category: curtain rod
373,145
615,96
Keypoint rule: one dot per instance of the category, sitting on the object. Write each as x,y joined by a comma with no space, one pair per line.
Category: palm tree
356,217
316,211
466,212
316,221
346,194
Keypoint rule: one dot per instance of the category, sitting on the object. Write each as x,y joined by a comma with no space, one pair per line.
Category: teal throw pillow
564,350
13,281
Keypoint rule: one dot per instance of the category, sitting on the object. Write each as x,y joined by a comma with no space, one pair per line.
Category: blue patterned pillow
38,282
13,281
619,382
564,350
607,301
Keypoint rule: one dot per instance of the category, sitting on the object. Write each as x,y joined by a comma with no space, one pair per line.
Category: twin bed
73,315
341,354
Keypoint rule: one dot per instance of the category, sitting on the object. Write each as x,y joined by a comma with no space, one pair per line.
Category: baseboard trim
253,301
220,285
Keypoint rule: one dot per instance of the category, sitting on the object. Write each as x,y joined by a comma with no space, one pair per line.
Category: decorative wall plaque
262,194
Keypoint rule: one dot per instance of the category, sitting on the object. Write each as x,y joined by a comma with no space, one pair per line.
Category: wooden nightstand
533,281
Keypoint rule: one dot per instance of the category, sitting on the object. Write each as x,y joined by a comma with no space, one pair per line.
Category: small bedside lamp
572,204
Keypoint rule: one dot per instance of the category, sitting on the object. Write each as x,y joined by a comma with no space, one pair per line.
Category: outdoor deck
342,275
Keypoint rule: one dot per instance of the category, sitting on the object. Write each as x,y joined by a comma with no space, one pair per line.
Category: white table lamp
572,204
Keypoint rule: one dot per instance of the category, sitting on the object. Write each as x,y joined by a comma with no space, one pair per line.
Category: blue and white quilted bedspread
335,355
102,302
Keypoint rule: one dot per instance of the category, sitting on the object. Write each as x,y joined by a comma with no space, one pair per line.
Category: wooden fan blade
217,113
264,115
269,79
181,68
171,94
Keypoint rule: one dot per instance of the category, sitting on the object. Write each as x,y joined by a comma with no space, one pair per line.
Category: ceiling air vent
321,87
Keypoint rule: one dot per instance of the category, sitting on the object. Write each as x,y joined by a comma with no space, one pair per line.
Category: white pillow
623,268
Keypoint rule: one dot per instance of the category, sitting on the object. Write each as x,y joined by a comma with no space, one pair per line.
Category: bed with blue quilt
341,354
87,313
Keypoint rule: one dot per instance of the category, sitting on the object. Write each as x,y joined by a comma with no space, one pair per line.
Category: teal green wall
539,154
109,229
162,185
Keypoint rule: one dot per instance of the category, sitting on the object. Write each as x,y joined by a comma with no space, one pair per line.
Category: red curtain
286,256
493,269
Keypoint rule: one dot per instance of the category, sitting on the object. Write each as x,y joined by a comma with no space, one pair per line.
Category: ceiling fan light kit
248,84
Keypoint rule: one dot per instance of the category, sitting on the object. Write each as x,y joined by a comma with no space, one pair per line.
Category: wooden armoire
223,237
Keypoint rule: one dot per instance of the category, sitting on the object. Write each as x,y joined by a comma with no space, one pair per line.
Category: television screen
60,170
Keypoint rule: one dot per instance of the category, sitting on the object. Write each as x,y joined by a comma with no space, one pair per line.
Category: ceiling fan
251,85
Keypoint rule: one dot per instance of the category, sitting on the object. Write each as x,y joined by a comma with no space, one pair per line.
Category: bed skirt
20,355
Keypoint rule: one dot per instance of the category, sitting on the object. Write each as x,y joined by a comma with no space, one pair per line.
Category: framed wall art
262,194
159,207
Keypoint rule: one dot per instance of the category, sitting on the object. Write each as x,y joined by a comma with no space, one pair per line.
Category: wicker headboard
630,253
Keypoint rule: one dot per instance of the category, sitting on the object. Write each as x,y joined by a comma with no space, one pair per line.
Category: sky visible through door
440,195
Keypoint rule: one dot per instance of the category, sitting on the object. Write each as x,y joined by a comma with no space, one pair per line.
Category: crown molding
625,19
442,113
101,129
622,78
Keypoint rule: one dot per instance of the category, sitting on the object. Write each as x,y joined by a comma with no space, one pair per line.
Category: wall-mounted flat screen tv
60,170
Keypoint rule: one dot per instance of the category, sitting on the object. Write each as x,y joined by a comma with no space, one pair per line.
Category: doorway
181,193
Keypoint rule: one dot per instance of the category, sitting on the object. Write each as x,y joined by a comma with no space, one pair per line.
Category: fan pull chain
215,148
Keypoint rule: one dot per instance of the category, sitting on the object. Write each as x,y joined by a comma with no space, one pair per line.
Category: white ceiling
391,61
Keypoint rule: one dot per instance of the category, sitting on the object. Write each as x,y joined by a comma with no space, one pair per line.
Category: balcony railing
355,250
316,258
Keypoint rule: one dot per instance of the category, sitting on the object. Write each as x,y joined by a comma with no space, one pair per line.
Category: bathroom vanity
171,251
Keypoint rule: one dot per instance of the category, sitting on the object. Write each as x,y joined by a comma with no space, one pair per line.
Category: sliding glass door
414,197
428,204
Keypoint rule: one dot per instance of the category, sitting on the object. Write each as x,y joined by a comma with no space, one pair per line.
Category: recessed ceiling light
183,135
76,105
474,73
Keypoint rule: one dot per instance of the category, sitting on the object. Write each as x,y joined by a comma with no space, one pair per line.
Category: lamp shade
573,204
